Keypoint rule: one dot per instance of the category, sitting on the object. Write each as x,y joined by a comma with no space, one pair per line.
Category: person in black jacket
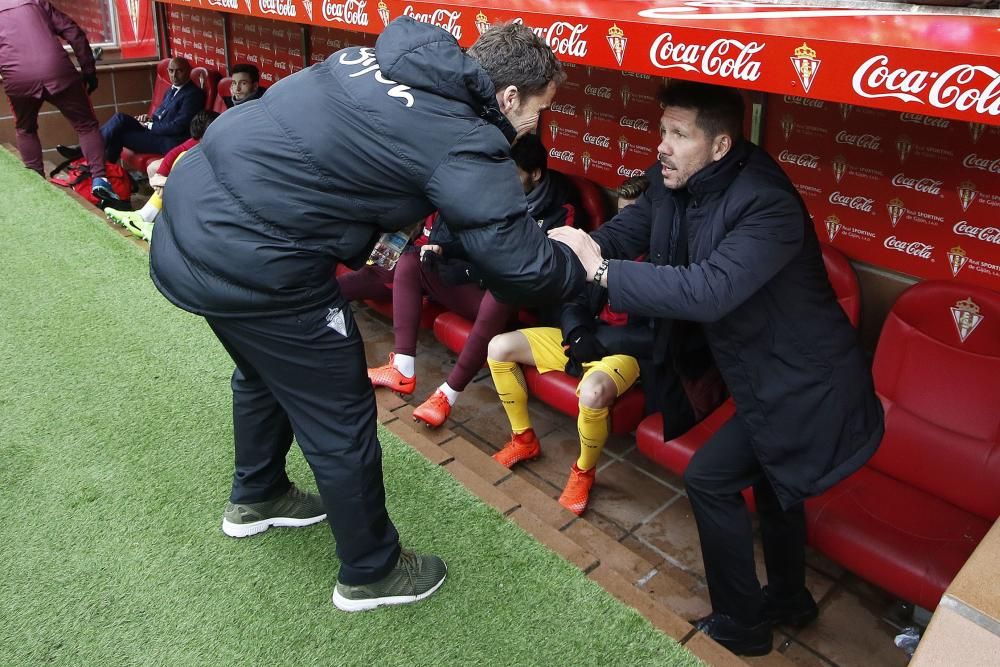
368,141
245,85
441,270
731,248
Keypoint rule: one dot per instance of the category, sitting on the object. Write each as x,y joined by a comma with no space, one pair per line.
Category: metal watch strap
599,273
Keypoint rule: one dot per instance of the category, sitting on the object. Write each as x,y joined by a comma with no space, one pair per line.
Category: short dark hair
720,109
200,122
246,68
513,55
529,154
632,187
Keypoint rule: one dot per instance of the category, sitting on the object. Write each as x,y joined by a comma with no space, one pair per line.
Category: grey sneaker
414,578
294,509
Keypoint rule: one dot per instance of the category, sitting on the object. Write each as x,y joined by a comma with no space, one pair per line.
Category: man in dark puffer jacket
732,251
368,141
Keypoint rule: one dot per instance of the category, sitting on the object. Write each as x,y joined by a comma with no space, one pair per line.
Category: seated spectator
166,128
246,85
630,189
439,270
140,223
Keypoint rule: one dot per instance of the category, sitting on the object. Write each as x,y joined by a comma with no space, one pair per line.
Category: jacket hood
428,58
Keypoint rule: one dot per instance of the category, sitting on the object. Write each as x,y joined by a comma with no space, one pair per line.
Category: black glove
582,346
90,81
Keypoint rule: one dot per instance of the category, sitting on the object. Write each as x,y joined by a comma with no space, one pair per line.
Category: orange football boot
434,411
577,492
520,447
389,376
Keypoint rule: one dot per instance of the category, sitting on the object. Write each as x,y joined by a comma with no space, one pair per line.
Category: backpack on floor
75,174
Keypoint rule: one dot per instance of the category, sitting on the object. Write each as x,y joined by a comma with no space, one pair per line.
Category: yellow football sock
593,427
513,393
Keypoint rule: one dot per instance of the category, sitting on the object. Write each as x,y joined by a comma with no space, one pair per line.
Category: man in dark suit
157,133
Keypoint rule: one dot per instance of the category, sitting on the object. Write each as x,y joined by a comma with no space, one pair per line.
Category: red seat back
937,371
161,84
593,200
208,81
844,282
222,90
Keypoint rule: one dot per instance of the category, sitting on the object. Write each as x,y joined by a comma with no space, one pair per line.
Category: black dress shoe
738,638
797,610
69,152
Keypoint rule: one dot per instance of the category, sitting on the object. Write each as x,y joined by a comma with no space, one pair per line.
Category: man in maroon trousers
34,68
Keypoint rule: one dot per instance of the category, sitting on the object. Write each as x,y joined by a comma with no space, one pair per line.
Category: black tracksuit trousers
306,374
715,478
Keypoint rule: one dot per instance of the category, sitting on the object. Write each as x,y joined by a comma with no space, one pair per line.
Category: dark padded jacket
757,283
370,140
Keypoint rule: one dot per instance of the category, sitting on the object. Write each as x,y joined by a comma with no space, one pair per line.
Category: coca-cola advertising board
198,36
274,47
912,193
602,124
935,63
325,41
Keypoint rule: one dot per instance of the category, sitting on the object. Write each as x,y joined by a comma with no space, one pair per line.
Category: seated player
245,87
440,271
140,223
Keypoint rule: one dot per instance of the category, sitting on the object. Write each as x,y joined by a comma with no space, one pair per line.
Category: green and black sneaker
293,510
414,578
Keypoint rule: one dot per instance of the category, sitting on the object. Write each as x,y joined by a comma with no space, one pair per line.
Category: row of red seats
213,83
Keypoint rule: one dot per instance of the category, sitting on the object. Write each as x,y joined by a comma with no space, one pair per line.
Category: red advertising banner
933,62
274,47
911,193
136,34
198,36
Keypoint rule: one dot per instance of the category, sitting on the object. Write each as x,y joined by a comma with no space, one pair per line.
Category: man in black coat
730,246
366,142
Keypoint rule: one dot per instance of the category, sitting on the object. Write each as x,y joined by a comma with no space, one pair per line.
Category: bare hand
584,247
429,247
142,118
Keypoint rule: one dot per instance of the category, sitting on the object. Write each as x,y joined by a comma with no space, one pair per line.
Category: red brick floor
636,504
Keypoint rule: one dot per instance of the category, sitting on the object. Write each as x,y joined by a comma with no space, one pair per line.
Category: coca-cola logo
228,4
565,156
926,185
855,202
806,160
871,142
442,18
921,119
914,248
640,124
565,109
804,102
563,38
973,161
351,12
962,87
725,58
603,92
988,234
279,7
625,172
597,140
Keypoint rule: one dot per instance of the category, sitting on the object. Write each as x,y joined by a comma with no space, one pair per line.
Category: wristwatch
601,270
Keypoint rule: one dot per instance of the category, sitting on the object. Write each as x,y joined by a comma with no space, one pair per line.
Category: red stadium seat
222,90
203,78
675,454
910,518
594,201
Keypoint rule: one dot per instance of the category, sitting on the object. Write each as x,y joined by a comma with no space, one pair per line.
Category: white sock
404,363
149,212
450,394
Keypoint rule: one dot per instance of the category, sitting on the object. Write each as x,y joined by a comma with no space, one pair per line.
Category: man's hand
143,118
90,81
584,247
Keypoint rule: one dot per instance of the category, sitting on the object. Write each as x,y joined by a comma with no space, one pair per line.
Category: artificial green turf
116,447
